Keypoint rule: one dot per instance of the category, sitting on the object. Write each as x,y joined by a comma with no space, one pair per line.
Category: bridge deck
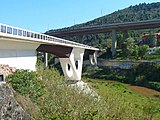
148,24
7,31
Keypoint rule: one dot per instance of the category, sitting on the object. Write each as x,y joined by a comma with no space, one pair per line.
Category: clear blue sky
42,15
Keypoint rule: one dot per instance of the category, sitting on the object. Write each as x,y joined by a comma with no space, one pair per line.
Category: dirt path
145,91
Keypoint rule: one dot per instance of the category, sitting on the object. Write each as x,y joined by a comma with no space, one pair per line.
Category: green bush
154,85
157,51
140,80
26,83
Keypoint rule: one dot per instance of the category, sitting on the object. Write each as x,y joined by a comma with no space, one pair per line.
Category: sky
43,15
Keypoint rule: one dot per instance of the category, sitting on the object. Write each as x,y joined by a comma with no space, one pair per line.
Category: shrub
154,85
140,80
26,83
157,51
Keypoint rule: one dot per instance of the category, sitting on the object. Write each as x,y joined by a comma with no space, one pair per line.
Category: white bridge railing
22,33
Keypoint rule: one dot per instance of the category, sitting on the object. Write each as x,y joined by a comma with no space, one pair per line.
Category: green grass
62,102
119,93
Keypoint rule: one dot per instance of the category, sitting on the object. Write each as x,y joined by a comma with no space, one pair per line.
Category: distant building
145,37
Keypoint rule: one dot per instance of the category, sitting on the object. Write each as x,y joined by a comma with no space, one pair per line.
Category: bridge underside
71,59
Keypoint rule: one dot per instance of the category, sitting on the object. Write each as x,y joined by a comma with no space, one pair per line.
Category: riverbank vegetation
52,98
142,74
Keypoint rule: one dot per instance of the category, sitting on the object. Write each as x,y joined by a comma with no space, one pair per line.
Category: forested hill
133,13
139,12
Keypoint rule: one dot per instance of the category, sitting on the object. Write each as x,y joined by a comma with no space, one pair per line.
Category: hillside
139,12
47,96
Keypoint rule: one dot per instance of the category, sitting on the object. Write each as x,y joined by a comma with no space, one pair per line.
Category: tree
128,47
136,51
109,43
157,51
119,38
142,51
151,40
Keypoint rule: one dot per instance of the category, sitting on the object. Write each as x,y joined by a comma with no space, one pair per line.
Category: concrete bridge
124,27
18,48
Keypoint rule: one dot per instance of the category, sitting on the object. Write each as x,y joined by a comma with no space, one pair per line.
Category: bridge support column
114,42
93,58
72,66
45,59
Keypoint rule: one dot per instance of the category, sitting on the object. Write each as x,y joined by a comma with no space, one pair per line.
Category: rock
5,70
9,107
83,87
